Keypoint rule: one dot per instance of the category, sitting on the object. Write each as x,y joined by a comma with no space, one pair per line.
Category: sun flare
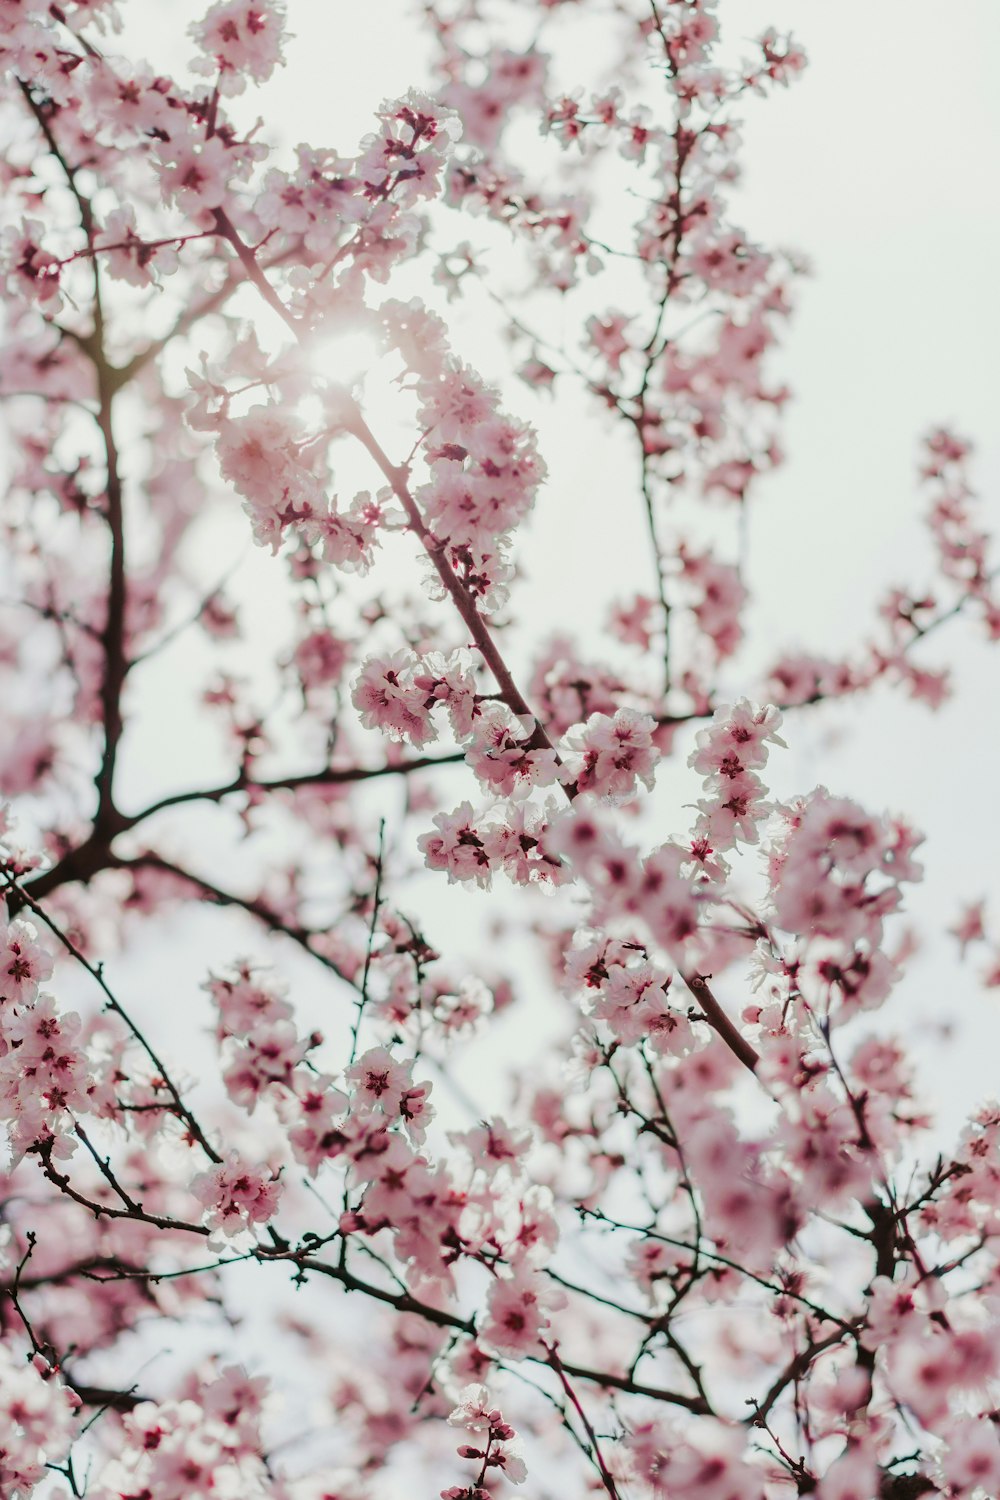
344,356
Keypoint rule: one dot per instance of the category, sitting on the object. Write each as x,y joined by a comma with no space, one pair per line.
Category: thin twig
113,1004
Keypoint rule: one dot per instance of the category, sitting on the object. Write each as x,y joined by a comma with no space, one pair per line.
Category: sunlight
344,355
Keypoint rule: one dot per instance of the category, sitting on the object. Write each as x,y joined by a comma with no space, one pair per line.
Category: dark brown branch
102,1396
717,1018
435,549
252,906
136,1212
694,1404
328,776
113,634
398,479
794,1370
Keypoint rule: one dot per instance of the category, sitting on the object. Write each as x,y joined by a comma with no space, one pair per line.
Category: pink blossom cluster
961,544
484,471
717,599
38,1421
205,1445
264,1049
374,1127
729,753
511,80
241,40
398,693
615,753
629,994
971,928
568,689
494,1446
236,1195
44,1076
839,870
503,757
515,840
358,212
662,888
664,1459
265,1059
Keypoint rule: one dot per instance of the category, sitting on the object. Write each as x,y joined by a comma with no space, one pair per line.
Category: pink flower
736,740
236,1195
474,1411
500,758
853,1476
29,271
249,999
266,1059
38,1419
449,681
195,175
607,335
495,1449
494,1144
666,896
971,1462
631,1000
320,658
518,1313
616,752
970,926
316,1130
457,847
735,813
259,454
127,255
387,698
24,963
379,1082
718,597
633,622
241,37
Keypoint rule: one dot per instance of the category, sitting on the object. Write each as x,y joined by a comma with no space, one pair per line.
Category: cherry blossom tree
709,1246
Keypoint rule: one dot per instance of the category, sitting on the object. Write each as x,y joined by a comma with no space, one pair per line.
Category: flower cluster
616,752
494,1447
241,40
398,693
265,1059
208,1444
38,1421
236,1195
44,1075
729,753
516,840
484,466
629,994
503,757
839,870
